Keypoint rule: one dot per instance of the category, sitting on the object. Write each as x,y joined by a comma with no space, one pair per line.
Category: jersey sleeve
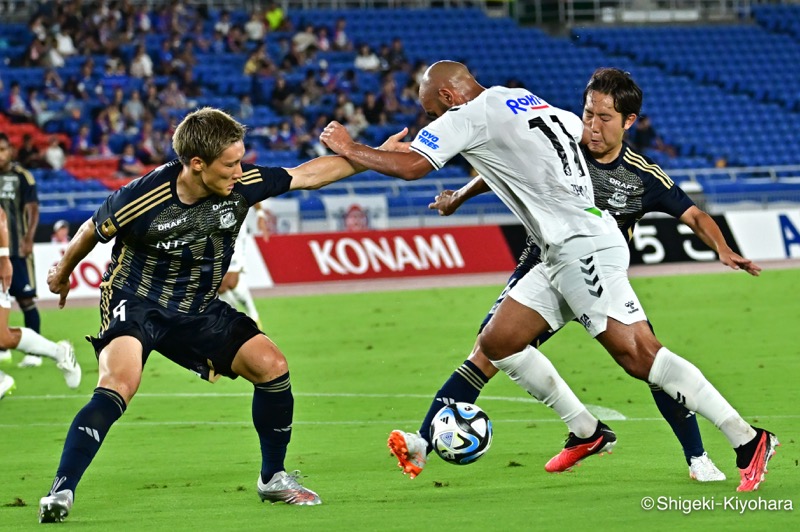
445,137
261,182
105,218
661,194
27,185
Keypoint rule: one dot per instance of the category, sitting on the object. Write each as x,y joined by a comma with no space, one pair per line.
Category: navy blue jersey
174,254
633,185
17,187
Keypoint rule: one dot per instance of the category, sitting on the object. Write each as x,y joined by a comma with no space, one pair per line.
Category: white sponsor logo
351,256
172,244
221,204
170,225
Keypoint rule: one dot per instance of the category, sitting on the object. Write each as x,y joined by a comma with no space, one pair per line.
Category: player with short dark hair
174,232
628,185
527,152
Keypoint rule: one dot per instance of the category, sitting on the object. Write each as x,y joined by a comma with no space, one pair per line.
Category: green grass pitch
185,457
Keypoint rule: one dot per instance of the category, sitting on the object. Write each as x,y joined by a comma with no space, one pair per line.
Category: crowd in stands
118,78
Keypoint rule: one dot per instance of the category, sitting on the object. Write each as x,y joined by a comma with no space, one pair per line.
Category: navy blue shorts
204,343
23,283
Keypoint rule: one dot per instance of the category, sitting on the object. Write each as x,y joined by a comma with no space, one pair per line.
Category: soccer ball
461,433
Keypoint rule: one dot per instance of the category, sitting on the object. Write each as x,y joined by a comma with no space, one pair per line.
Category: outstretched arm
449,201
323,171
408,165
707,229
81,244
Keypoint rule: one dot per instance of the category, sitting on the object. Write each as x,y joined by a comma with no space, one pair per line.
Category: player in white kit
234,289
527,152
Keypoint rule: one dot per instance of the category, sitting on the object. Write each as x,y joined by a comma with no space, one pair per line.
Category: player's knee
636,360
7,340
125,386
483,363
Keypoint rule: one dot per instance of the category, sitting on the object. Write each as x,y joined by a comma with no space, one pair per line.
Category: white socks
685,383
536,374
34,343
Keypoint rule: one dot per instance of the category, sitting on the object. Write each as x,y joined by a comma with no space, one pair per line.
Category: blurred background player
23,338
20,201
628,185
60,232
234,289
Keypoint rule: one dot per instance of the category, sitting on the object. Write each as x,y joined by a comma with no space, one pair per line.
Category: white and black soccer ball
461,433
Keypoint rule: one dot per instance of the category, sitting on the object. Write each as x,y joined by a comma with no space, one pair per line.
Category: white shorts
590,286
237,260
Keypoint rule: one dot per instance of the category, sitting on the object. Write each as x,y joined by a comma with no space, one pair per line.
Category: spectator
29,155
254,28
311,89
341,41
256,58
275,18
323,41
408,98
104,147
366,59
356,123
388,97
373,109
224,25
133,109
218,45
82,142
142,65
172,97
151,146
53,85
246,110
38,107
235,41
303,39
397,56
60,233
282,99
645,137
54,154
129,164
17,108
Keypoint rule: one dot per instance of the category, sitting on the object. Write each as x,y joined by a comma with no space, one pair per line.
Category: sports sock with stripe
682,421
86,434
464,385
684,382
273,408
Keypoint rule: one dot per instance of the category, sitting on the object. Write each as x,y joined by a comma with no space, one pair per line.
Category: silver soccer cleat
54,508
284,487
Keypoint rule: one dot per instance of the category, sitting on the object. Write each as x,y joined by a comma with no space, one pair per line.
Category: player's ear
629,120
197,164
446,97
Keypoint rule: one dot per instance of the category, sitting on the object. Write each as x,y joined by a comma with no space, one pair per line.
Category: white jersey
527,152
